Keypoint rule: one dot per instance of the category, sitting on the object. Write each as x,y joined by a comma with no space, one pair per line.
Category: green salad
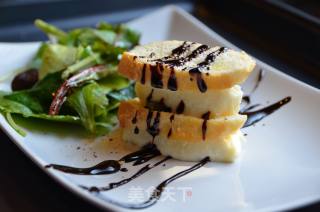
73,78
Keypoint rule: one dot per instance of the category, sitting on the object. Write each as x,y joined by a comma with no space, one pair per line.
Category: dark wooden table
274,35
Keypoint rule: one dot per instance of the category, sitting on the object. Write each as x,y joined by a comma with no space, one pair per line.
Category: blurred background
283,33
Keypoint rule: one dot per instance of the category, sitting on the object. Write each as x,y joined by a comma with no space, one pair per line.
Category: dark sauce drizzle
134,120
175,59
111,166
149,97
157,192
181,61
153,129
143,74
177,52
158,106
141,156
181,49
114,185
247,98
136,130
170,130
156,75
172,81
205,117
256,116
196,73
180,107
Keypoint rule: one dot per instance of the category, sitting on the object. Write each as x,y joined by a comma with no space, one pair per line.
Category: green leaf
123,94
82,64
13,124
50,29
56,58
113,82
89,102
10,106
37,60
106,35
127,38
38,98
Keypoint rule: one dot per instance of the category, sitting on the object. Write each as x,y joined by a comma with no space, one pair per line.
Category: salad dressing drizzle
143,74
156,75
205,117
153,129
181,61
111,166
180,107
170,130
114,185
157,192
172,81
256,116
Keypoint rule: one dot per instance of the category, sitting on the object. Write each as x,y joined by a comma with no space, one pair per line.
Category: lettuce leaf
38,98
90,102
56,57
8,107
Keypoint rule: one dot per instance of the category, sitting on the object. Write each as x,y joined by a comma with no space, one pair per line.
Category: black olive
25,80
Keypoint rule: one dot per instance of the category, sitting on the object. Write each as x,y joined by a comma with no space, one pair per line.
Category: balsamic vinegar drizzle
143,74
157,192
141,156
111,166
156,75
182,60
114,185
136,130
181,49
176,59
158,106
134,120
153,129
256,116
247,98
180,107
205,117
195,72
172,81
170,130
149,97
104,167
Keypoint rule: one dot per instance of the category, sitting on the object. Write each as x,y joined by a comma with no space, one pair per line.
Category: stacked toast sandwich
188,99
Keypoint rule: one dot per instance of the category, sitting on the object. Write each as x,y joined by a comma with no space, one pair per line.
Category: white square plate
278,170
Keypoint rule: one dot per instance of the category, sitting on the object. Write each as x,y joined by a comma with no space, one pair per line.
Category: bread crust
183,128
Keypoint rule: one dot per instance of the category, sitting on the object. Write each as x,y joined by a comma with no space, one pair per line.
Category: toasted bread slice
179,65
225,102
137,119
223,149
